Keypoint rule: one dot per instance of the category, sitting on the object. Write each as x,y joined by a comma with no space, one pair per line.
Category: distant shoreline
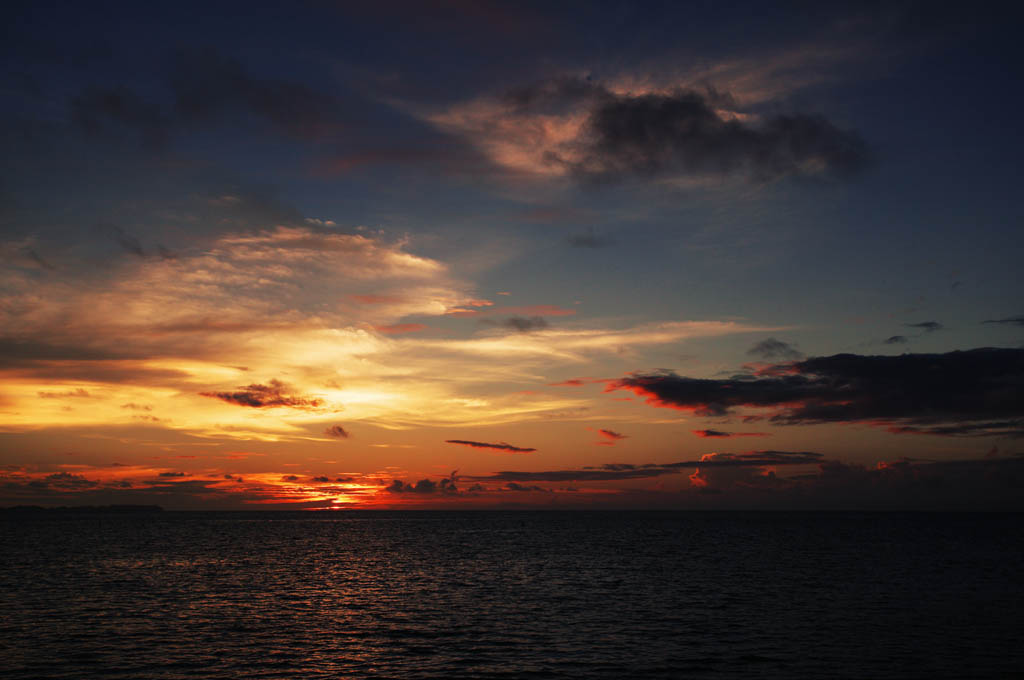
83,508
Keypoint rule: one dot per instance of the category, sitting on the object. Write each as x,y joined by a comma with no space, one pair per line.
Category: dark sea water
511,595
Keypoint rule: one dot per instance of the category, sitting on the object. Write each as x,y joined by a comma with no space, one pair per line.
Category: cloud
1003,428
128,243
107,112
575,126
500,446
620,471
266,396
719,434
1010,321
513,486
68,481
401,328
321,479
682,133
528,310
774,349
206,86
337,431
972,387
277,303
609,437
926,326
424,486
171,474
896,340
520,324
77,392
711,477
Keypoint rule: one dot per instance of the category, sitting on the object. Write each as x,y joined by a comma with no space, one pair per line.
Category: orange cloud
401,328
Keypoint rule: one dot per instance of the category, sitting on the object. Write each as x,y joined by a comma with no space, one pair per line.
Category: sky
604,255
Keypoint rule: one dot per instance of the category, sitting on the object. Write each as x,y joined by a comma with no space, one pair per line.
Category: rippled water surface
516,595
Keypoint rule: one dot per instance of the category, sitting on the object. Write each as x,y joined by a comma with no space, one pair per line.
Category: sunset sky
495,255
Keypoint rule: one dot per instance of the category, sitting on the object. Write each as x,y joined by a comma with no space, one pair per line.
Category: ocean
511,595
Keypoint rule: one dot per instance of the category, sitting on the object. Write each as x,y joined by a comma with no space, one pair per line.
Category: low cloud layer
619,471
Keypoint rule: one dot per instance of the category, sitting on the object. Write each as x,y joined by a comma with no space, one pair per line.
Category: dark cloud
655,134
265,396
337,431
78,392
196,487
500,446
719,434
171,474
68,481
685,133
611,434
619,471
424,486
521,324
513,486
974,484
17,352
555,94
1010,321
963,387
926,326
289,478
895,340
128,243
711,433
774,349
1005,428
321,479
107,112
37,258
207,85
